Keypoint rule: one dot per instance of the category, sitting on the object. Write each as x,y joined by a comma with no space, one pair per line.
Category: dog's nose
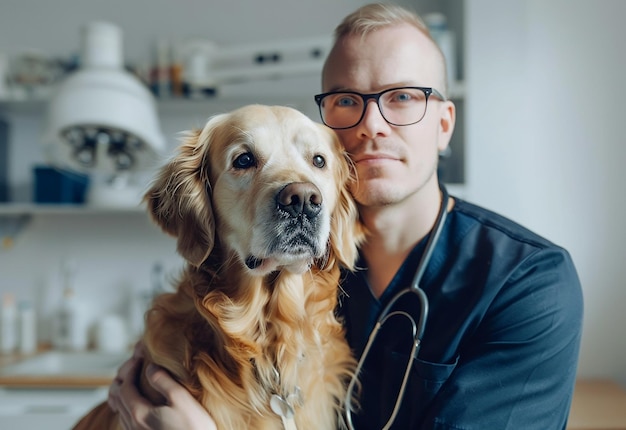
300,198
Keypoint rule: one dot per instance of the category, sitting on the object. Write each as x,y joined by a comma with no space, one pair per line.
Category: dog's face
266,183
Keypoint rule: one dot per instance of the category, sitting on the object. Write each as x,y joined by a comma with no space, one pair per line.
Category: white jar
70,331
27,328
8,324
112,334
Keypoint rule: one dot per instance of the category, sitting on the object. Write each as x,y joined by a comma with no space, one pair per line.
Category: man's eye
402,97
319,161
244,161
346,101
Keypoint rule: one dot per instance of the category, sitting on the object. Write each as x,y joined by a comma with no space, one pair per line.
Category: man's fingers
132,406
139,351
182,411
128,370
161,381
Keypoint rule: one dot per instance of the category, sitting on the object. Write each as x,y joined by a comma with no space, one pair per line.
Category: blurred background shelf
18,209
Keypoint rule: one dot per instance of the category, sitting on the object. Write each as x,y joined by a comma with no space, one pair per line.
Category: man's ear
446,124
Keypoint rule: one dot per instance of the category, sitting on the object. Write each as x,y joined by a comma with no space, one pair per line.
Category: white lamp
103,119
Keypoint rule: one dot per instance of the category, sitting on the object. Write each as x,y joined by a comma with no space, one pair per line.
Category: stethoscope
417,328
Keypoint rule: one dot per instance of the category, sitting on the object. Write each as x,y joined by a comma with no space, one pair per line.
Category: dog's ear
179,199
346,230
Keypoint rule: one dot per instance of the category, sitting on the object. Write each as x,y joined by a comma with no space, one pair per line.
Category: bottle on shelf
27,328
8,325
70,331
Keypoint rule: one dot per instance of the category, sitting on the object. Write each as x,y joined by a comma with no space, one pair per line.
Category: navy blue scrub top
502,336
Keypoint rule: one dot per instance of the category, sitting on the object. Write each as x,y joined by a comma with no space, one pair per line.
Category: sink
67,363
63,368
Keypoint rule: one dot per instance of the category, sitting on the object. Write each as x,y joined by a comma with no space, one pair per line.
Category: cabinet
53,409
598,404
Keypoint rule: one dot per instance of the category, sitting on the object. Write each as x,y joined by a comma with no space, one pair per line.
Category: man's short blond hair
374,16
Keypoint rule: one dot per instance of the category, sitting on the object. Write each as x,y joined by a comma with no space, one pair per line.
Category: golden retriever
259,204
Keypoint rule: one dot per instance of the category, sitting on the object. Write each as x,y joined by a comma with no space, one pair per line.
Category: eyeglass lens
399,106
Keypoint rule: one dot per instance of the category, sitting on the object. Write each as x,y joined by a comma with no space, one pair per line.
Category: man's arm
519,370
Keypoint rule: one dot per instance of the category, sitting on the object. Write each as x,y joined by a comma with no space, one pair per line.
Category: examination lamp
102,118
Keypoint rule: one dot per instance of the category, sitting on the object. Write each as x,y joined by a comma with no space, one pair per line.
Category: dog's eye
244,161
319,161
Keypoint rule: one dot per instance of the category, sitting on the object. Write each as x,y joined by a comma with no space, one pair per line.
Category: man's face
393,162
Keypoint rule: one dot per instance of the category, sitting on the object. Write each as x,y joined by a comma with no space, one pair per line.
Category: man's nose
373,123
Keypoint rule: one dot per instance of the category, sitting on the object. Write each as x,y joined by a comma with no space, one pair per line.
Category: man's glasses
399,106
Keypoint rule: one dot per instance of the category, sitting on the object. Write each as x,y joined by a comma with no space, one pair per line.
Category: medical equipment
417,328
103,121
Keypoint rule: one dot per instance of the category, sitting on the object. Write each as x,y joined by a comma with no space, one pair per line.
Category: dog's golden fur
259,205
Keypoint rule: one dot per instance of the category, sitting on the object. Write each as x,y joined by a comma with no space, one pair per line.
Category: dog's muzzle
295,232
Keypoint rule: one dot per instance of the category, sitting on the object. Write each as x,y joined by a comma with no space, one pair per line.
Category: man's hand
138,413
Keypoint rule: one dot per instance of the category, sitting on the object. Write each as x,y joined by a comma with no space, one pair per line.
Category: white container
8,325
112,334
139,302
70,331
27,328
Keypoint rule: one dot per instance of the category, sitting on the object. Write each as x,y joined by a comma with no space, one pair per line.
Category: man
500,348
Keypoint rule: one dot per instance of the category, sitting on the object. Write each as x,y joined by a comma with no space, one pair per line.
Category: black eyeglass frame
428,91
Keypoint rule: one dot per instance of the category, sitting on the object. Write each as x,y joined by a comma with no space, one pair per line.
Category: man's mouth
374,158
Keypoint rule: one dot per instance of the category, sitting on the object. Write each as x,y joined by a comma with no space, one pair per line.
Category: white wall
546,142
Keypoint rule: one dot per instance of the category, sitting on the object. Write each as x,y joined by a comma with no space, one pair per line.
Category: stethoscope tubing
417,329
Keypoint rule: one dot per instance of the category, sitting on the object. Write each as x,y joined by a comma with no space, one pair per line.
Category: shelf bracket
10,228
